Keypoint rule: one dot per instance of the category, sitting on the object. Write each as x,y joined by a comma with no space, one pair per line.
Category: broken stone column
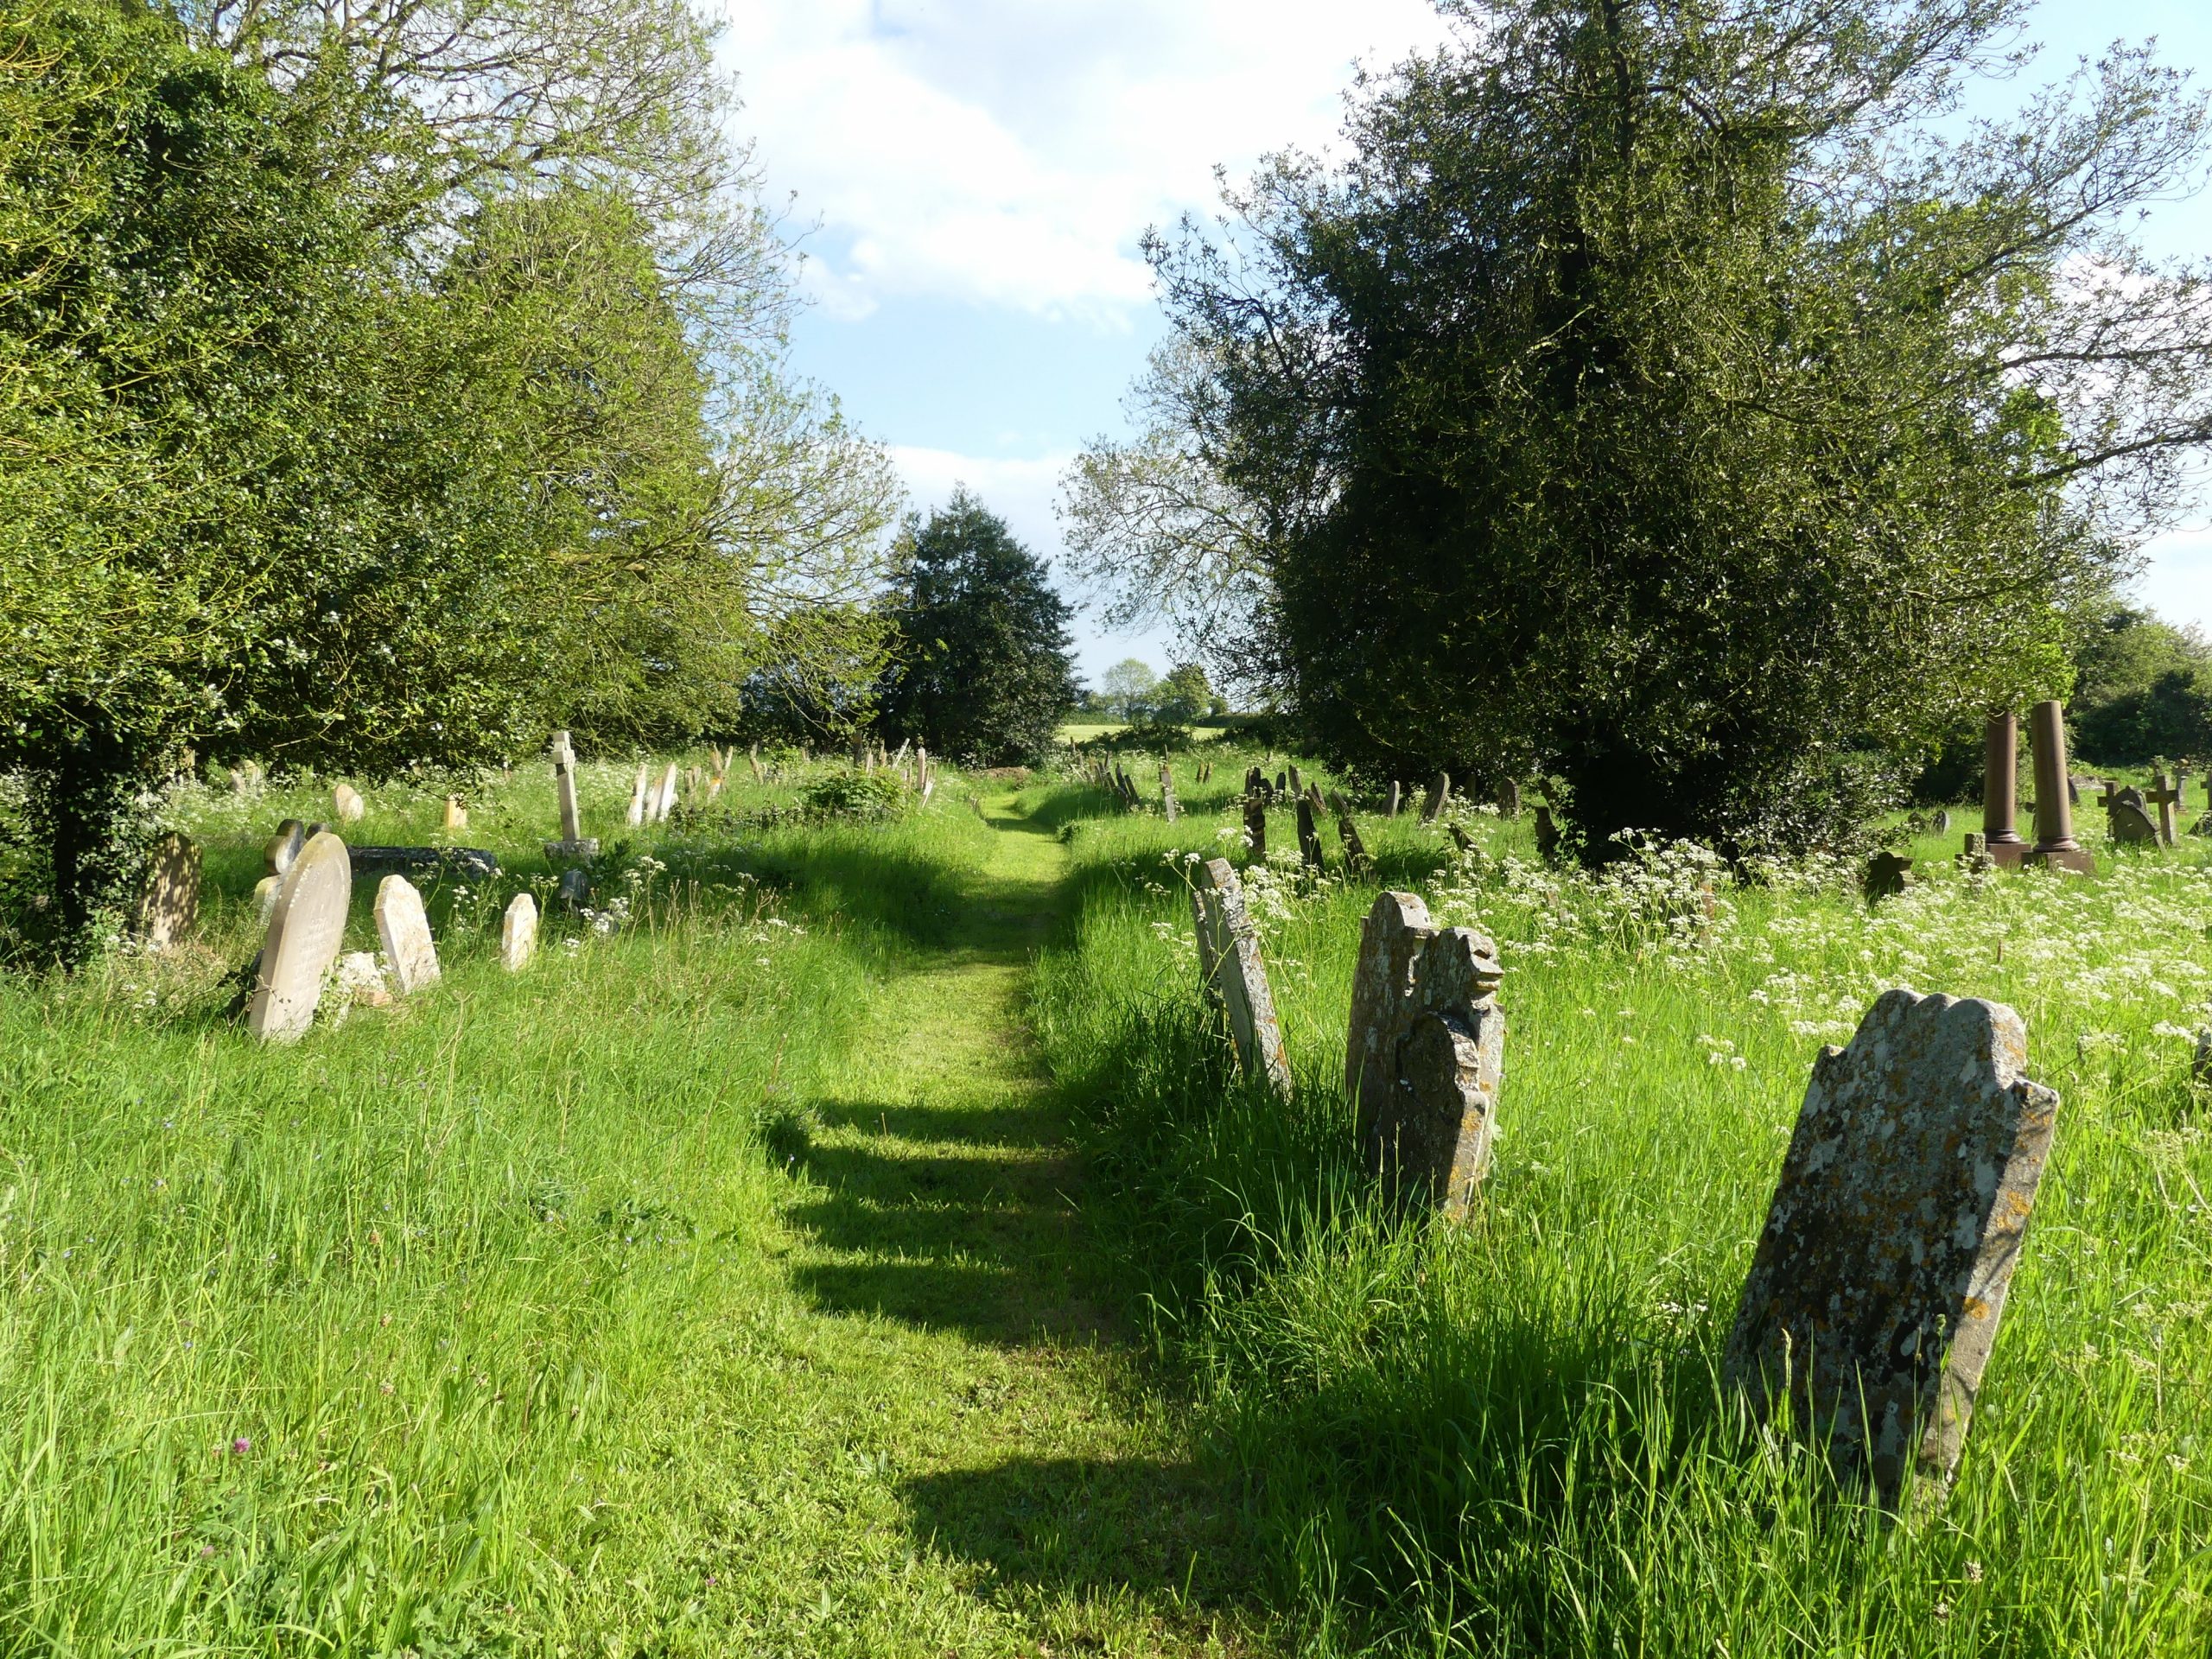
1875,1292
1424,1052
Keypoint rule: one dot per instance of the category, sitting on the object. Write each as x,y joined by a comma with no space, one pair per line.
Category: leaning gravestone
1309,837
1424,1052
1297,784
1356,858
2131,825
168,903
1875,1292
405,932
639,792
574,889
518,933
347,805
1439,790
1167,791
1228,940
306,926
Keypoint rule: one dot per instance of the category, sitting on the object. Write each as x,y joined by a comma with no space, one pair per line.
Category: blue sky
968,180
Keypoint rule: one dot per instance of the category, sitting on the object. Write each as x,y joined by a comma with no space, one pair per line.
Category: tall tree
1666,392
984,670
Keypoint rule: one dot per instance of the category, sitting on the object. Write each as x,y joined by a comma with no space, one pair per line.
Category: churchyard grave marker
168,900
2055,848
1296,786
573,889
1168,790
307,925
1508,799
470,863
457,814
518,933
665,803
1356,858
2165,798
640,792
2000,750
1256,826
1886,875
574,843
281,849
2132,825
1879,1279
1397,799
1309,838
1424,1053
1439,790
1240,975
405,932
347,805
1548,836
753,757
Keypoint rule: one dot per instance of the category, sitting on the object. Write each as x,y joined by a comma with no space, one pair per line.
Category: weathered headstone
1424,1052
1439,790
306,926
1240,974
168,901
573,890
1875,1292
1309,838
1547,832
1297,787
1460,838
1508,799
753,757
1942,822
281,849
347,805
1356,858
469,863
1886,875
640,794
518,933
665,803
2132,825
1167,791
1397,799
573,844
264,896
1256,825
457,814
405,932
1975,859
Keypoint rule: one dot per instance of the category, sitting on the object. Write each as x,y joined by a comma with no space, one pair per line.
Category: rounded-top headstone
405,932
347,804
305,927
281,849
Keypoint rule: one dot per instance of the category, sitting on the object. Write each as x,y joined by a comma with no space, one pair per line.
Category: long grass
1508,1437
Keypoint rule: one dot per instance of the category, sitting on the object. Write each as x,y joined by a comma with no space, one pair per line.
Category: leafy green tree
1125,689
1664,395
1182,696
2143,691
983,670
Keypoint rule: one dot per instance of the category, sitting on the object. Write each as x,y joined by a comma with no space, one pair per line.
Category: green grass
792,1261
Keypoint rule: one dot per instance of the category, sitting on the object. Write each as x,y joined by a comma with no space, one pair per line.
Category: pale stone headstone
753,756
564,787
1240,975
1167,791
347,805
281,849
169,902
264,896
1309,837
2132,826
1879,1279
457,814
518,933
640,794
358,980
405,932
665,803
1439,790
306,926
1424,1052
1397,799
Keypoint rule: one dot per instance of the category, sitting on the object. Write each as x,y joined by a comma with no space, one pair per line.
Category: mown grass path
958,1348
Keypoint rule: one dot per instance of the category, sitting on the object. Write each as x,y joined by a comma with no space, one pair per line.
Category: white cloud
1009,152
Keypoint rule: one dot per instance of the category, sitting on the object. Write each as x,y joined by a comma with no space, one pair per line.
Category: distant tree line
385,387
1674,401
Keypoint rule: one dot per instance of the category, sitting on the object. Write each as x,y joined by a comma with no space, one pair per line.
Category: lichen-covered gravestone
1256,826
518,933
1876,1290
1236,975
2132,825
1167,791
169,904
405,932
1424,1052
306,926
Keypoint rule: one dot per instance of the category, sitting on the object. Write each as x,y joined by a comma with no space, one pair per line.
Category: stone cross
307,925
1228,942
2163,796
1439,790
1886,875
347,805
2055,848
1424,1052
405,932
1256,825
1309,838
168,903
640,795
1879,1279
1356,858
281,849
564,785
518,933
1168,790
2001,756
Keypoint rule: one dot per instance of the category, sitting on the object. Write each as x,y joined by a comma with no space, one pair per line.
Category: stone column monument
2000,791
2055,847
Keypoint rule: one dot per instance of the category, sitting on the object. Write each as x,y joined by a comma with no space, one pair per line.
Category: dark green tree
2142,690
1667,395
983,671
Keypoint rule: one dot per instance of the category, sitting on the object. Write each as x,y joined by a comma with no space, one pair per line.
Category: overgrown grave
305,927
1356,854
573,844
1424,1053
1875,1292
1234,973
168,910
1255,821
1167,791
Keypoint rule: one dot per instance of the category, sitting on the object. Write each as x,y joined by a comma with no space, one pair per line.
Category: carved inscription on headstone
1424,1052
1227,939
405,932
1876,1290
306,926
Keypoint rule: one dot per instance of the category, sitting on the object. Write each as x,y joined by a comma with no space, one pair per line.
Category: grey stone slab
2132,825
168,900
468,863
1167,793
1230,941
1355,855
1424,1053
307,925
574,889
405,931
1880,1277
1256,826
1309,837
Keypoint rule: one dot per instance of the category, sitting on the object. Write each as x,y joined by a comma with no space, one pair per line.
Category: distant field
1085,731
